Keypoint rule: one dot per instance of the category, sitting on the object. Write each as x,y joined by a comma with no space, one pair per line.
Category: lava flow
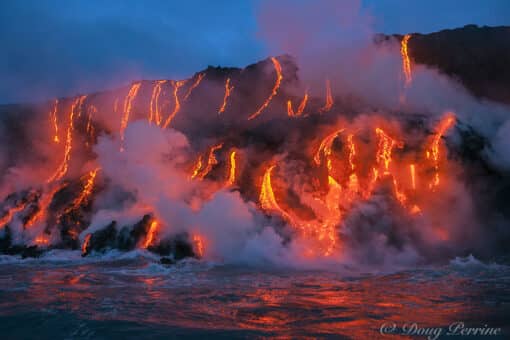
432,152
128,104
329,98
228,90
197,82
176,86
154,109
385,148
199,171
301,107
406,61
325,148
62,169
279,77
199,245
54,120
151,235
44,204
232,169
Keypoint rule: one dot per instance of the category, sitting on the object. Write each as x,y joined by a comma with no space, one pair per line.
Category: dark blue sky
61,47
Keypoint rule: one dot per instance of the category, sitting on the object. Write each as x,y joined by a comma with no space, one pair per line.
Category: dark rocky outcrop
476,56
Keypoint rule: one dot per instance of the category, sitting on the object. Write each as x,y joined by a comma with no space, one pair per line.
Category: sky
59,48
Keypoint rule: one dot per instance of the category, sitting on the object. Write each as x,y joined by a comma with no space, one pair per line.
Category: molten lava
151,235
84,195
432,152
325,147
195,85
199,245
385,148
323,230
176,86
406,61
232,172
301,107
228,90
353,178
8,216
200,172
128,104
154,109
329,98
44,204
197,167
267,199
42,241
279,77
54,121
62,169
85,245
412,169
211,160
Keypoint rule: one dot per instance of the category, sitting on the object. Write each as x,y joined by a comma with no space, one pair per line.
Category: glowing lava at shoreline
279,77
151,235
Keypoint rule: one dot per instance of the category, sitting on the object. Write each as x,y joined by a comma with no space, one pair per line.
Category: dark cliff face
477,56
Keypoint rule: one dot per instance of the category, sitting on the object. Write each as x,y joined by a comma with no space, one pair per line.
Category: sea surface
132,296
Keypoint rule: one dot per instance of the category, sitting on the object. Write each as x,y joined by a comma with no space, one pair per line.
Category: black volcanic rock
102,239
178,246
129,237
477,56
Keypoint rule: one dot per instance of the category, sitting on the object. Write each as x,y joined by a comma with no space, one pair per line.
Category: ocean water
132,296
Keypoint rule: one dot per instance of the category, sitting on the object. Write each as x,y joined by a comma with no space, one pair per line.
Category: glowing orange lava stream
62,169
322,230
151,235
154,112
85,244
279,77
87,189
211,160
198,170
325,148
412,169
197,167
301,107
10,214
385,148
406,61
128,104
197,82
232,173
228,90
329,98
267,199
54,120
433,152
199,245
176,85
43,205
